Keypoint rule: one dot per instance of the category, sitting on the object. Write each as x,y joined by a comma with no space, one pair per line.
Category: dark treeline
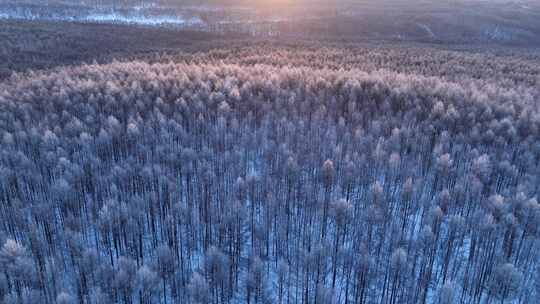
225,182
43,45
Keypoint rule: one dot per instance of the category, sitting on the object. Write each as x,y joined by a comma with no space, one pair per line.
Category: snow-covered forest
297,174
508,22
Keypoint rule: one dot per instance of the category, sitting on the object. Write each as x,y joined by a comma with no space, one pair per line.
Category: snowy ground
110,17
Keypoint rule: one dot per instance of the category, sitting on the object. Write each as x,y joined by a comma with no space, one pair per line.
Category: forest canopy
273,175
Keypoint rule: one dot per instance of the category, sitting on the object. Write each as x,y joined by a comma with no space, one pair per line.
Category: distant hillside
447,22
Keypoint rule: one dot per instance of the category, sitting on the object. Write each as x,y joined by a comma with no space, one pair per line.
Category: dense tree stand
218,181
